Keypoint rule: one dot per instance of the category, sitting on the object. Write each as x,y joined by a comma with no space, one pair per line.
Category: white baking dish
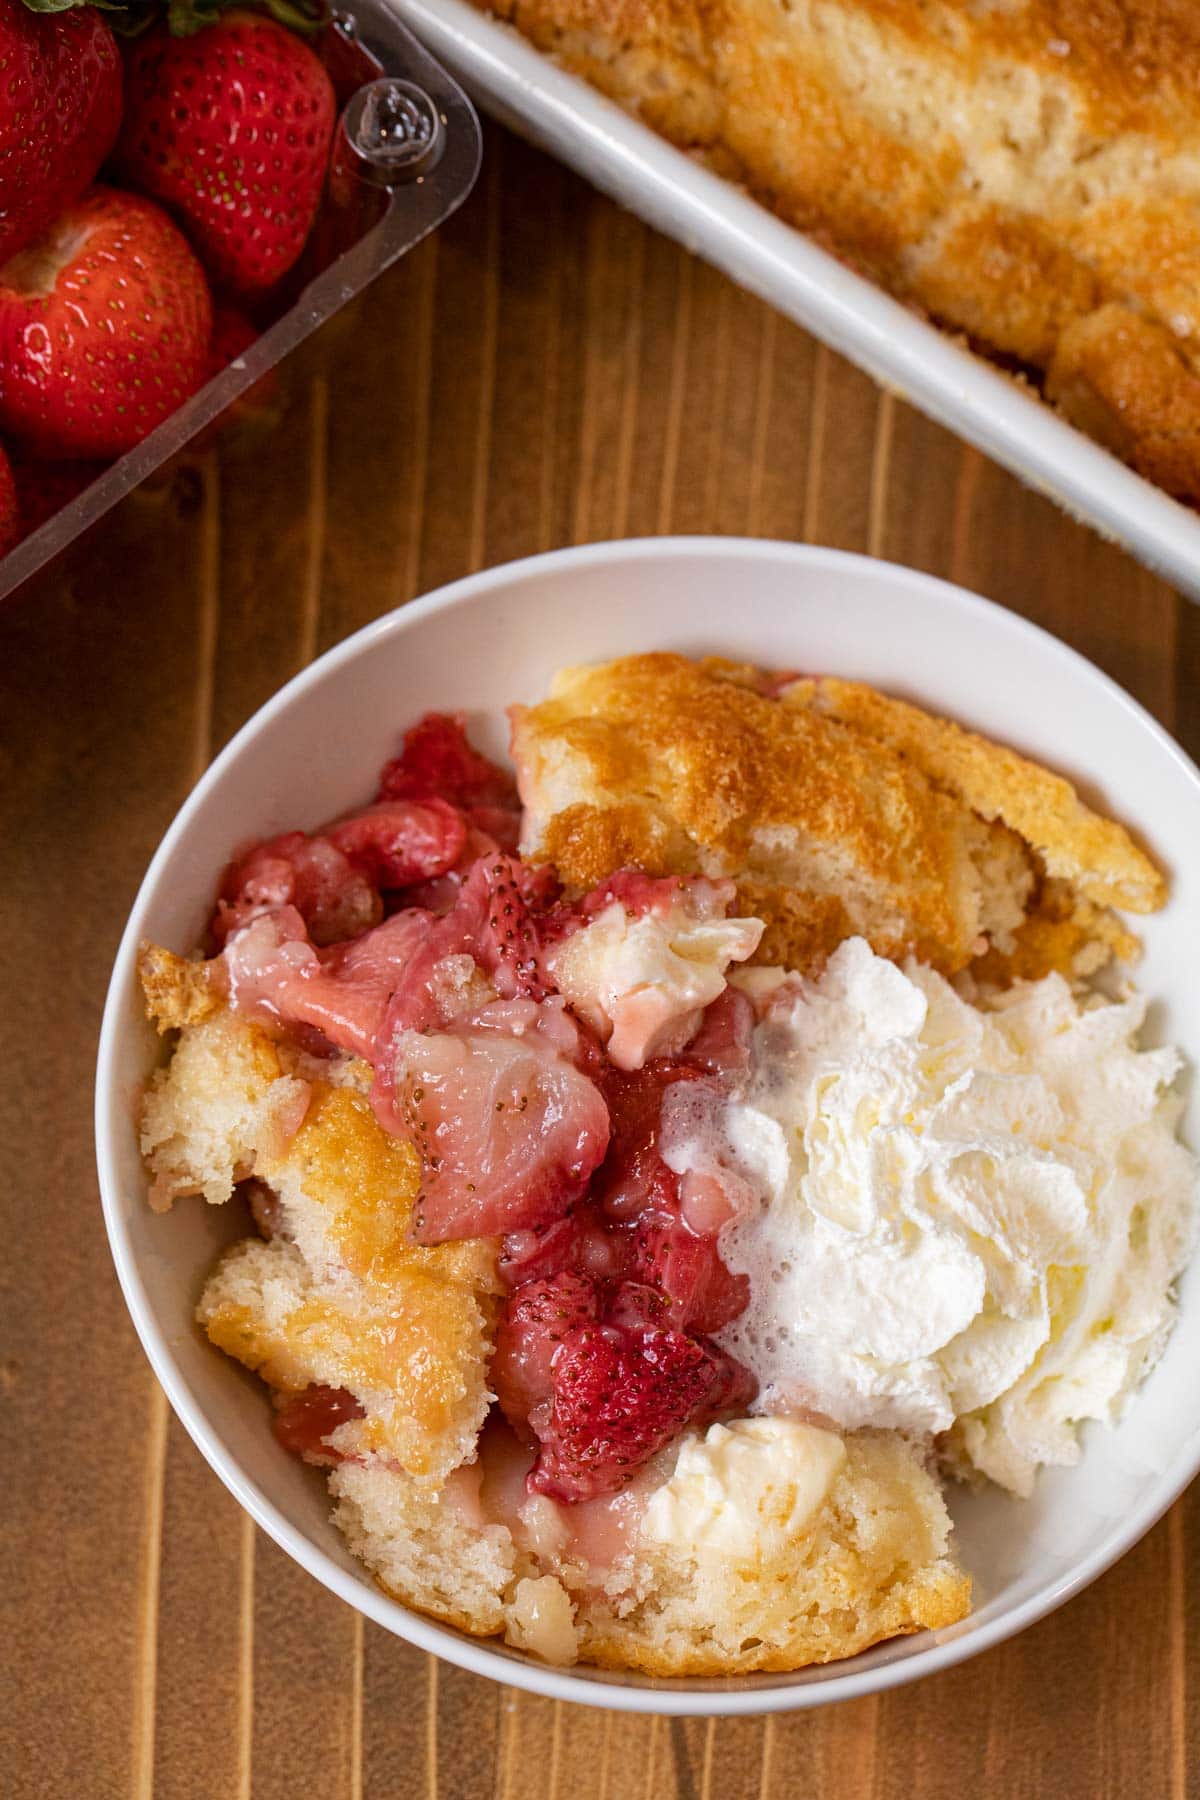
714,218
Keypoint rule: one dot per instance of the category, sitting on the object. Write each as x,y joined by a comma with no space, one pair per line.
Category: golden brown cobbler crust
1023,172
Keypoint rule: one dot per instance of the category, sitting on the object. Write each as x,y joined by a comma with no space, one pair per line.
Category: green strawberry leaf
185,17
305,16
56,6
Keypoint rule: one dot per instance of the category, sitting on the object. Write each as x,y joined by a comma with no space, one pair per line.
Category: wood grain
547,371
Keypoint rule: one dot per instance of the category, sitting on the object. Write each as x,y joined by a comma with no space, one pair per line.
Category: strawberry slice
44,488
685,1267
504,935
619,1395
334,898
534,1324
508,1130
400,842
104,328
306,1420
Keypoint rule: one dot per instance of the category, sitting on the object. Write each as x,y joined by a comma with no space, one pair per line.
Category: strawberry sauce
410,934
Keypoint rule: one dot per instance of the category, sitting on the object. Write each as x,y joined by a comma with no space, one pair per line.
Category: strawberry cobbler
504,1148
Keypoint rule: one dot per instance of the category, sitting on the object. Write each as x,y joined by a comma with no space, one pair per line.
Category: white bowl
497,637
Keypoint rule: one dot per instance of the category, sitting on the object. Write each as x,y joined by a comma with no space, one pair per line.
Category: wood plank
305,1688
101,716
546,371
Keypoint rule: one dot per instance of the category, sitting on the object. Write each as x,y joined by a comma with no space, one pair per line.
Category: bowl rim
682,1696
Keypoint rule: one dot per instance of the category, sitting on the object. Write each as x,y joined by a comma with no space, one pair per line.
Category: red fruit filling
399,842
535,1323
438,760
526,1130
620,1394
305,1422
508,1130
334,898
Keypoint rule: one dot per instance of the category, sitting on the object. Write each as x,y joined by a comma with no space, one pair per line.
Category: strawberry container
404,156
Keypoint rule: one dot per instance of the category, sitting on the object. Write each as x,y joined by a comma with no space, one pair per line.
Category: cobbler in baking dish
661,1171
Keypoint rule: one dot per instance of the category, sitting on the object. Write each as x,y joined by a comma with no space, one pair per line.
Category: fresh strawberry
306,1420
60,107
232,334
438,759
619,1396
10,526
534,1324
231,128
44,488
256,406
104,328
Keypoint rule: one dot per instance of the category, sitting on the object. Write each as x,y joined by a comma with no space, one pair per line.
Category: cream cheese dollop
744,1490
967,1217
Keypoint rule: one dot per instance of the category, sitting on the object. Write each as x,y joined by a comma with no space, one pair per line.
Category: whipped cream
965,1218
745,1490
643,981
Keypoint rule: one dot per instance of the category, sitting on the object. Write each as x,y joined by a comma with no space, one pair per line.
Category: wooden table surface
545,372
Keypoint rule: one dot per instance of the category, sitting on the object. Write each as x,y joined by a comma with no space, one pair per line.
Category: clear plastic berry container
404,156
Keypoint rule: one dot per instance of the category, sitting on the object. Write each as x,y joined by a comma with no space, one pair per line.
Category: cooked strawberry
306,1421
60,75
585,1240
505,938
503,825
634,1175
44,488
104,324
635,1306
619,1396
487,935
532,1326
508,1130
399,842
231,128
722,1044
10,526
640,894
685,1267
335,899
541,1252
266,1208
437,759
274,973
